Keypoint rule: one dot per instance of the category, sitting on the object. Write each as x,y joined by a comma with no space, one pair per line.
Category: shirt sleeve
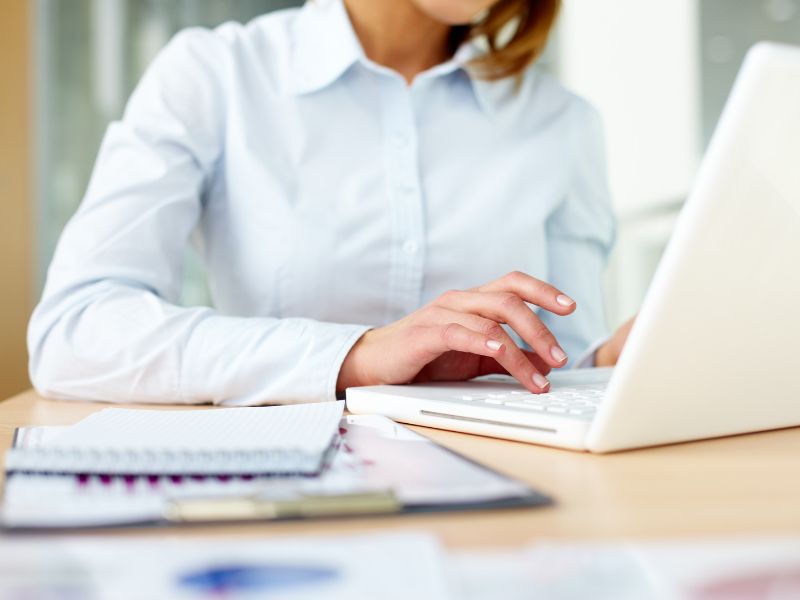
580,236
108,326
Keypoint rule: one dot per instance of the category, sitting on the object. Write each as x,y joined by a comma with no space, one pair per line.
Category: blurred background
658,70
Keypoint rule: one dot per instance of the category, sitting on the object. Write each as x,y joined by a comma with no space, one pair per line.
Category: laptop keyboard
579,401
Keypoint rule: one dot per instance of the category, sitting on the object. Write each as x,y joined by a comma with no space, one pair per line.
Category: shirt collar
325,46
493,95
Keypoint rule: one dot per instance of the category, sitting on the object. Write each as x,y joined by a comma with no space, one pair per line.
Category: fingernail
494,345
564,300
558,354
540,381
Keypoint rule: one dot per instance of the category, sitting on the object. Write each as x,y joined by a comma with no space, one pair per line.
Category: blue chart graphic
231,579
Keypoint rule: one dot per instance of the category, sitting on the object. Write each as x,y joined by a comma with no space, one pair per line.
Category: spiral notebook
275,440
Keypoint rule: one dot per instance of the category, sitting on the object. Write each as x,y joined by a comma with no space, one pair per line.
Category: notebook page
304,427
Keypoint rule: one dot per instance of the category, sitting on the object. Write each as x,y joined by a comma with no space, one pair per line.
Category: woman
340,167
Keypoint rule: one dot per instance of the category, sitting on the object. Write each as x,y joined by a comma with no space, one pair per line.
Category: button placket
402,168
410,247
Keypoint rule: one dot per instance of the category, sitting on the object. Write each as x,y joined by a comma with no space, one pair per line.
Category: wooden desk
732,486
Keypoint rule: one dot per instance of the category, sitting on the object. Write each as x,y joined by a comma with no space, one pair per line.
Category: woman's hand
459,336
607,355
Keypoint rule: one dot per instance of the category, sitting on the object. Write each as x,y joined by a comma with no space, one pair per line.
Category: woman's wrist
350,371
608,354
603,356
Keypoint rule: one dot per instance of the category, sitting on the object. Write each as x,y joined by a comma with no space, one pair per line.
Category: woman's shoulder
235,49
542,90
271,29
538,101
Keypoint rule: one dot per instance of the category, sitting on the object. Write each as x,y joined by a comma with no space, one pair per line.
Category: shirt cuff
235,361
589,357
336,366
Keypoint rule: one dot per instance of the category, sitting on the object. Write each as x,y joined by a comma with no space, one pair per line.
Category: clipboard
377,467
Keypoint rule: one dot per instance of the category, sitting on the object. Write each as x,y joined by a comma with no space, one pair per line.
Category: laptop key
526,405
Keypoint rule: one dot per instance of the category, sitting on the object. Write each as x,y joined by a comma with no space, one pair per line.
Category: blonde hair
516,32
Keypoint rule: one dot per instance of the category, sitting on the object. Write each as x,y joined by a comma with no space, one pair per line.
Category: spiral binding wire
162,462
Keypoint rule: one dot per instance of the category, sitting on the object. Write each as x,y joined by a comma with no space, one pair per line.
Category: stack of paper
373,456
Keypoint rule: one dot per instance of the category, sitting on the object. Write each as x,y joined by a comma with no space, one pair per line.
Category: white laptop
716,347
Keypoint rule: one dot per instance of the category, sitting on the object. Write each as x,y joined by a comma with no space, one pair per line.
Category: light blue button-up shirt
325,196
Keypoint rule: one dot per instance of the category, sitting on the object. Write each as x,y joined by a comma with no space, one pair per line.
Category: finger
436,315
532,290
489,366
454,336
446,337
514,361
507,307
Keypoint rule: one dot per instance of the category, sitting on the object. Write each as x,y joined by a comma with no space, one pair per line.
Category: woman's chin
454,12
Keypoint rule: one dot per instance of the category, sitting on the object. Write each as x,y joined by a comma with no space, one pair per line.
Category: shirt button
401,139
406,189
410,247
